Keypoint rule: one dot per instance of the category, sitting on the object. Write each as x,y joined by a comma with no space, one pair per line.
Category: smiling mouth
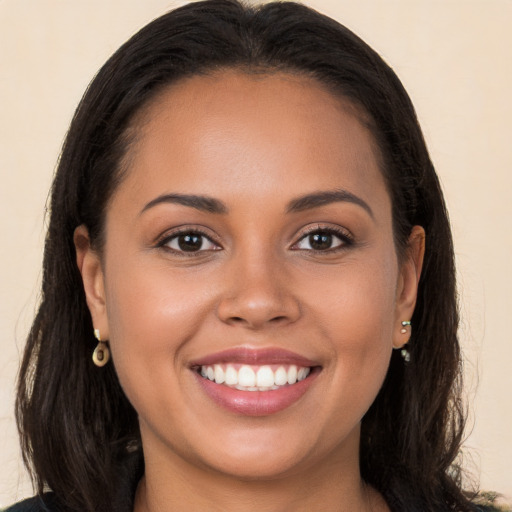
244,377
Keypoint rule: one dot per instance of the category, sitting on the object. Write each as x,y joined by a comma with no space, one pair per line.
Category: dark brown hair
75,422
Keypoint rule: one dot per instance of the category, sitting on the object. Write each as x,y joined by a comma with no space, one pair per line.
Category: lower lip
256,403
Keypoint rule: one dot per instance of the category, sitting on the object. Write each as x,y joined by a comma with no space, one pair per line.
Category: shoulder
492,502
43,503
491,508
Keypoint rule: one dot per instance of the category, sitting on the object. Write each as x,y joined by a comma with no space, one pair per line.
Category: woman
245,223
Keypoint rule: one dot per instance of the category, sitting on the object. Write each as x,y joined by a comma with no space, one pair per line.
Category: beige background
455,59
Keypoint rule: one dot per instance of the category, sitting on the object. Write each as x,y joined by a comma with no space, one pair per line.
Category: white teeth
292,374
257,378
231,376
280,377
302,374
246,377
219,374
265,377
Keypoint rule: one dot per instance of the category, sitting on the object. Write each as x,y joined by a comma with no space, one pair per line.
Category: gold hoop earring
101,354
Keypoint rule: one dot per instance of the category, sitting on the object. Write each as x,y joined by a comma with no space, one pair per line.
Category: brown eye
322,240
190,242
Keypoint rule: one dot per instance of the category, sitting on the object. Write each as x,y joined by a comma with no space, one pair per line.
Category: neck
332,485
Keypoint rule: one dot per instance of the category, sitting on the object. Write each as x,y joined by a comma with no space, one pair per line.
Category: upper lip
257,357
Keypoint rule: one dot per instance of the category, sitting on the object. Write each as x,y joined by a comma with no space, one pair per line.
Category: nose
258,295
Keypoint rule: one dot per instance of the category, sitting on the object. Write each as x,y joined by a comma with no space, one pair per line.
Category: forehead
254,131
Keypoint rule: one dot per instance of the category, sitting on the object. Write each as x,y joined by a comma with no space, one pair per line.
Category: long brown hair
75,422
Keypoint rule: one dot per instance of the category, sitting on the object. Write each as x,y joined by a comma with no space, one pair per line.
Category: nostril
278,319
253,323
254,311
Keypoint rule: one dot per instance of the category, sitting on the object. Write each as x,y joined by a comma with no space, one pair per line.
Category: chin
263,466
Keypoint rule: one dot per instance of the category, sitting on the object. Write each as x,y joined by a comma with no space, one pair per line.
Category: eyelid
343,234
165,238
162,241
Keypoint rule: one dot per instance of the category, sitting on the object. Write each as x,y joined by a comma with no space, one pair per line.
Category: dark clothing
130,473
36,504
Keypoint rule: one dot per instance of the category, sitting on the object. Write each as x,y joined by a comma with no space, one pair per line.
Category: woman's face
249,284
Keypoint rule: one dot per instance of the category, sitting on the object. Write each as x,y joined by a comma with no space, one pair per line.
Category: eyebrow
202,203
306,202
322,198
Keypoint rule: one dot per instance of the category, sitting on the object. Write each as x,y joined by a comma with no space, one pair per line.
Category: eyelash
344,237
169,237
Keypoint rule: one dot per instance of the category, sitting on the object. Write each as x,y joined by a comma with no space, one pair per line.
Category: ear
89,265
407,290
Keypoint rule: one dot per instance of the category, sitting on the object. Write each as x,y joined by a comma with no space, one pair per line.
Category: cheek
357,300
151,314
355,311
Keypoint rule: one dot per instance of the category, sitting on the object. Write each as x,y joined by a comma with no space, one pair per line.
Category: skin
255,143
